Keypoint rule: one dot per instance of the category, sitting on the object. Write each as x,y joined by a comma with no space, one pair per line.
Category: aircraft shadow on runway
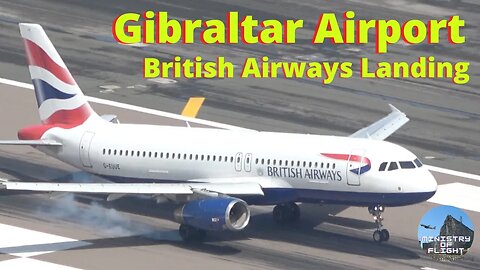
261,226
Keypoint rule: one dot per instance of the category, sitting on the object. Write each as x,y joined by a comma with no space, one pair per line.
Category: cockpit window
382,166
407,165
393,166
418,163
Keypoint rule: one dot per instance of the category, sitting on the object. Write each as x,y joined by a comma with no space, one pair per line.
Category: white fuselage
289,167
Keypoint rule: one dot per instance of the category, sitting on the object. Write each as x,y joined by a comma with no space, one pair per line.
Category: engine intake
214,214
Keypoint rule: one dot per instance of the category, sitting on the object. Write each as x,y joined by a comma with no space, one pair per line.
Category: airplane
429,227
213,174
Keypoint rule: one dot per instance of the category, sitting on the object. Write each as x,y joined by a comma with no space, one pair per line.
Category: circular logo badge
445,233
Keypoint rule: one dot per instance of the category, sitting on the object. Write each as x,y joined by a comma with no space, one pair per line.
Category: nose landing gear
380,235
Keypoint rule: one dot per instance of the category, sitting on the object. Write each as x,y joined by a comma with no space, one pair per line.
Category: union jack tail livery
60,100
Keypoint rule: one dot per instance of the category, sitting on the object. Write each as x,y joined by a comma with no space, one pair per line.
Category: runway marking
193,106
459,195
202,122
27,263
428,268
452,172
25,243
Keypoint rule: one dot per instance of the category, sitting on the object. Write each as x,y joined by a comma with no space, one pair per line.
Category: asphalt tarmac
443,131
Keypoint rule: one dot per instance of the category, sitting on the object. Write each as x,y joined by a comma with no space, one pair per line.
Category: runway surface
134,233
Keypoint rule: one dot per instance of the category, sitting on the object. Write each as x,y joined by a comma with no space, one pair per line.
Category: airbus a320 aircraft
214,174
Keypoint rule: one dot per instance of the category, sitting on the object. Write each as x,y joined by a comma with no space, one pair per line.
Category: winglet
384,127
393,108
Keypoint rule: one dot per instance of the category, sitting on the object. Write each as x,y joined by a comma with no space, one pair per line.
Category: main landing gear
286,213
191,234
380,235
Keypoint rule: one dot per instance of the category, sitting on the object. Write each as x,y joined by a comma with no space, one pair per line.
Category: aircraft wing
31,142
384,127
245,188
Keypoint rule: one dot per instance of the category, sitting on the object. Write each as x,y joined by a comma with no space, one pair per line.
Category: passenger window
292,163
202,157
166,155
256,161
274,161
310,164
149,154
418,163
383,166
280,163
407,165
304,163
263,161
144,153
298,163
104,151
191,156
321,166
115,152
393,166
184,156
138,153
328,165
268,161
231,159
316,164
208,157
333,166
213,158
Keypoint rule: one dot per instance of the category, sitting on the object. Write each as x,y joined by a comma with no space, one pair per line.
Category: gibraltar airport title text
158,27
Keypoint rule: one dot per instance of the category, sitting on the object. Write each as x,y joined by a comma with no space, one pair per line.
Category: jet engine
214,214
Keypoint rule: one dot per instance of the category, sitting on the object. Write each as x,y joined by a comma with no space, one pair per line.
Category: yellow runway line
193,106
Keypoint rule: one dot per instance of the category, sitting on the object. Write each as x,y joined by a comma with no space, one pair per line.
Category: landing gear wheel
380,235
385,235
377,236
286,213
191,234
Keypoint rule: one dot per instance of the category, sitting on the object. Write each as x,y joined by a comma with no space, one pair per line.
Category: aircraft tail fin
60,100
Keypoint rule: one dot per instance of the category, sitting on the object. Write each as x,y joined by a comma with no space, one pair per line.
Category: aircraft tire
191,234
385,235
377,236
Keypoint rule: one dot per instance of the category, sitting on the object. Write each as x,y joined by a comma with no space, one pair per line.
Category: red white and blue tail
60,100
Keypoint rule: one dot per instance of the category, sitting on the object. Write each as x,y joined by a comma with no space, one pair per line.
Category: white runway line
27,263
452,172
25,243
459,195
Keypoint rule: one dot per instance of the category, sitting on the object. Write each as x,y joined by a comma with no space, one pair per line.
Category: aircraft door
248,162
85,148
354,167
238,161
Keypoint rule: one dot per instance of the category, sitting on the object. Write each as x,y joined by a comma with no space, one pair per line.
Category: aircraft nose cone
430,184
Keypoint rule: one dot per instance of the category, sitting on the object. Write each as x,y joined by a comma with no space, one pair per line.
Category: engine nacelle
214,214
